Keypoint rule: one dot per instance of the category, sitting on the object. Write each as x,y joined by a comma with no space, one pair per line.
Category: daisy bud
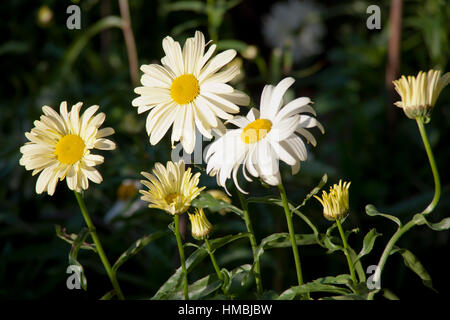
335,203
419,94
200,226
221,196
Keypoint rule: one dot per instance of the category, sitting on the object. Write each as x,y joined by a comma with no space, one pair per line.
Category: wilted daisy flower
171,188
221,196
126,203
60,146
189,91
200,226
297,25
419,94
335,203
263,138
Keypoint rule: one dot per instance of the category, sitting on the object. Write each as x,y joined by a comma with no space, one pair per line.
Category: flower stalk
290,224
98,246
428,209
253,243
176,219
213,260
346,251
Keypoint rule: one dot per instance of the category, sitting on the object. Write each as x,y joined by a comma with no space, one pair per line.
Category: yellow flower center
256,130
184,89
172,198
70,149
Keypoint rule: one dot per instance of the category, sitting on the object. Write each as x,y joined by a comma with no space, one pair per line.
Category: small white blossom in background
295,24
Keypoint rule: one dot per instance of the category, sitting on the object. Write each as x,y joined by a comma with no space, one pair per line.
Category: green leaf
73,256
314,191
282,240
442,225
415,265
195,6
358,266
388,294
200,288
237,45
77,46
137,246
293,292
70,238
205,200
328,240
345,297
372,211
368,243
239,280
175,281
185,26
108,296
278,202
340,279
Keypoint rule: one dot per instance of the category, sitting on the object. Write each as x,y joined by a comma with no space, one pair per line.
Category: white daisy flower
60,146
263,137
189,91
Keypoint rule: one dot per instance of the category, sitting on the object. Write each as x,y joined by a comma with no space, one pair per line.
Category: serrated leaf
372,211
205,200
70,238
137,246
175,281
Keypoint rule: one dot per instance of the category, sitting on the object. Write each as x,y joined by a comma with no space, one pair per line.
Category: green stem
288,214
212,27
249,226
181,251
347,253
213,260
437,181
98,246
428,209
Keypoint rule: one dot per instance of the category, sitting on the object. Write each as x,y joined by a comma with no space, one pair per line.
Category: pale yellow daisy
419,94
171,188
188,91
60,146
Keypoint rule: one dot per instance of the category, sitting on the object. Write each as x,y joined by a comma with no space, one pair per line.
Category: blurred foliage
368,141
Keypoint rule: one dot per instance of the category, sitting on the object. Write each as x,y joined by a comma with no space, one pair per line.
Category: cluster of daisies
189,93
